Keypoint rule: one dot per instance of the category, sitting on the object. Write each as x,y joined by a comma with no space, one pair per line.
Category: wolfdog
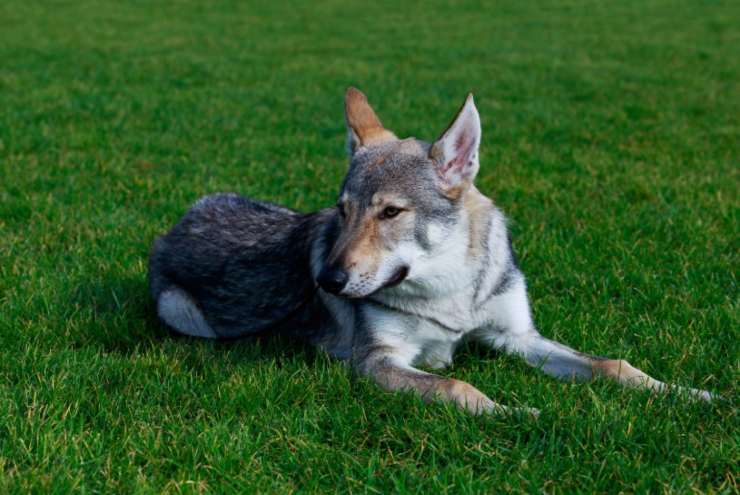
412,261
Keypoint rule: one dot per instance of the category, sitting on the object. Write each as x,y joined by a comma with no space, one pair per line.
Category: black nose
332,279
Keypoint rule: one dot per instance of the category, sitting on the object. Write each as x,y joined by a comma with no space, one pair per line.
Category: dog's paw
698,394
704,395
525,412
528,411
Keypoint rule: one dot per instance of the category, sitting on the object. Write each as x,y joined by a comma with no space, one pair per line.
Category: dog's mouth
397,277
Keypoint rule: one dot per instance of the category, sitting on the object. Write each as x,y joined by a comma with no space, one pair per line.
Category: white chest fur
445,297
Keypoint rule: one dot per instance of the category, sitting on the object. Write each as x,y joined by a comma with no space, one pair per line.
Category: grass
611,136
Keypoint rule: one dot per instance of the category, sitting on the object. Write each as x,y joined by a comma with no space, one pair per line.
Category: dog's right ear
363,126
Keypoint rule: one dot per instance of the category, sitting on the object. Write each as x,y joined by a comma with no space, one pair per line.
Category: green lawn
610,137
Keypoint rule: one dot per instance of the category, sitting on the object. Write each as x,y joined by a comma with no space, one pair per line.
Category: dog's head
400,200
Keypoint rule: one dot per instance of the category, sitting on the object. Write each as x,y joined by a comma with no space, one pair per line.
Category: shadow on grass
116,315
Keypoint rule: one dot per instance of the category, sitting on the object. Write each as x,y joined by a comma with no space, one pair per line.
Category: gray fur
244,263
234,267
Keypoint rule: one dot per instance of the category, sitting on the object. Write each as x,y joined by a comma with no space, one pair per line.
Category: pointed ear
455,153
363,126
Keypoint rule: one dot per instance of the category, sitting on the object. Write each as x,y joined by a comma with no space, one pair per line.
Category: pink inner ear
464,147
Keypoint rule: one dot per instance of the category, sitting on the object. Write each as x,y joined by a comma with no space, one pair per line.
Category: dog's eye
340,207
390,212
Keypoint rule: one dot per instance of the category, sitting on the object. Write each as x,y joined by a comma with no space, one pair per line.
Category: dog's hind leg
177,309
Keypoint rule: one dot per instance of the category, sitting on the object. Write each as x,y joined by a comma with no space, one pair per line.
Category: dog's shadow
117,316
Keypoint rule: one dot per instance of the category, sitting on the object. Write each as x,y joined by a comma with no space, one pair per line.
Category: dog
412,261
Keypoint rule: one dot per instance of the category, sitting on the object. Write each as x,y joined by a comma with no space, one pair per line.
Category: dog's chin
398,276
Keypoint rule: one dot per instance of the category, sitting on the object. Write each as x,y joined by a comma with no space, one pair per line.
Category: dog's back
231,267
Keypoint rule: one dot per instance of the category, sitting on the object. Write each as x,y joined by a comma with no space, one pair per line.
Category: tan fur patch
478,208
466,396
455,192
366,245
363,121
613,368
626,374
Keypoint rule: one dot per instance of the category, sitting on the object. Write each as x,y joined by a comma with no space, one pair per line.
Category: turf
611,135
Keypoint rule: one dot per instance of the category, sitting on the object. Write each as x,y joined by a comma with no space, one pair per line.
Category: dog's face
400,200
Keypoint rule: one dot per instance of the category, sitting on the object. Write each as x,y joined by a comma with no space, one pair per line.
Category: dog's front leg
385,347
393,374
563,362
512,330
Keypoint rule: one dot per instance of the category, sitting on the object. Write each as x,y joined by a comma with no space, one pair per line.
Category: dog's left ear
455,153
363,125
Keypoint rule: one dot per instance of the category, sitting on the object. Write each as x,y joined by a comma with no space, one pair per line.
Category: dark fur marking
503,284
484,267
427,318
512,253
506,279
